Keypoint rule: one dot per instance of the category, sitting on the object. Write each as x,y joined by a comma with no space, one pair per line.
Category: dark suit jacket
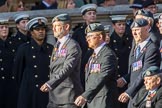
65,76
101,90
150,56
140,102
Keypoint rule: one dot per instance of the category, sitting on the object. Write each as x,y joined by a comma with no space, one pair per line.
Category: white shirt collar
63,40
45,3
142,44
99,48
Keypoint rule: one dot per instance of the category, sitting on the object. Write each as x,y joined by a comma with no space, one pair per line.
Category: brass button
13,77
19,38
32,47
10,42
1,60
118,66
13,50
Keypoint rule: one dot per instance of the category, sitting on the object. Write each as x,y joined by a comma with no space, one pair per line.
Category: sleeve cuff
49,86
124,80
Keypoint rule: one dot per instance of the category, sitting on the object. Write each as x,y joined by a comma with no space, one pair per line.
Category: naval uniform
31,70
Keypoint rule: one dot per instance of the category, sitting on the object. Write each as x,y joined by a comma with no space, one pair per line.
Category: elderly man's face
93,39
140,33
151,82
160,25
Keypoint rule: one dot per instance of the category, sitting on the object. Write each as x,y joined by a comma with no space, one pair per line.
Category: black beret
61,17
144,13
153,70
94,27
139,23
136,4
147,3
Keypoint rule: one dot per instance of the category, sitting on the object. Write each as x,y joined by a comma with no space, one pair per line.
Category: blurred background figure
66,4
18,5
6,7
106,3
45,4
107,31
150,5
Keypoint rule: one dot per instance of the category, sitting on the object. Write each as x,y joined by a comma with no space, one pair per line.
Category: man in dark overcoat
31,66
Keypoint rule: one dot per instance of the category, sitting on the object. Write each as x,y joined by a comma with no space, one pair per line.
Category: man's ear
67,26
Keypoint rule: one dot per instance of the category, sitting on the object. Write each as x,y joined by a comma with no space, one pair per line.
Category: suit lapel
144,49
94,61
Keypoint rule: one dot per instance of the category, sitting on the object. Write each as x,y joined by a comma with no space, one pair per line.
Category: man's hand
80,100
120,82
124,97
44,88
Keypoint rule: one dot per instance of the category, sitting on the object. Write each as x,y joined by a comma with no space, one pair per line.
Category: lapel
94,61
140,98
144,49
54,53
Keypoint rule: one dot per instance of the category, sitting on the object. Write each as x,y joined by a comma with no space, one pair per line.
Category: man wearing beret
143,55
101,89
149,96
31,66
64,84
22,34
88,12
154,33
8,91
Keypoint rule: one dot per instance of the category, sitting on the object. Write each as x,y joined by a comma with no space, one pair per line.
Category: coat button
34,56
13,50
19,38
3,77
35,66
37,85
1,60
32,47
118,75
13,77
2,69
116,49
10,42
36,76
48,76
118,66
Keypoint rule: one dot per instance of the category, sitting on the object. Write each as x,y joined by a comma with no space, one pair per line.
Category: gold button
119,75
49,56
117,58
129,47
48,76
19,38
1,60
10,42
32,47
116,49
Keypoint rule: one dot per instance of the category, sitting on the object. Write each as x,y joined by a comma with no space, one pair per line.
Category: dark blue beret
153,70
139,23
94,27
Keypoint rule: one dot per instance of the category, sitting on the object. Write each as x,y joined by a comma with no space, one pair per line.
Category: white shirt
96,51
62,41
142,44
